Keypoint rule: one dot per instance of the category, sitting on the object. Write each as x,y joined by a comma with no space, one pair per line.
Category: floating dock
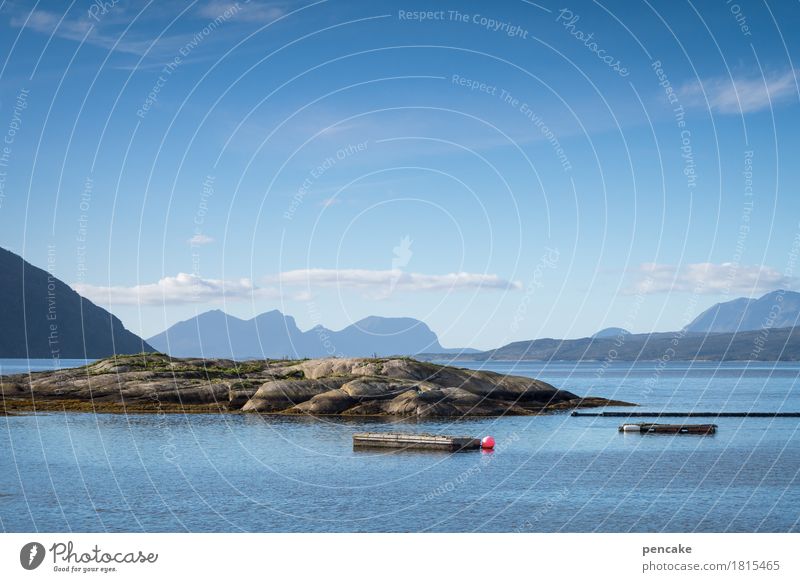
653,428
692,414
399,440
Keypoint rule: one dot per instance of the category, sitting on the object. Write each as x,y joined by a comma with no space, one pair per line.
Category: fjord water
22,366
198,472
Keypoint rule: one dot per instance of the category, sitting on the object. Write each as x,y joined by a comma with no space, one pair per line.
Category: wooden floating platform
692,414
401,440
652,428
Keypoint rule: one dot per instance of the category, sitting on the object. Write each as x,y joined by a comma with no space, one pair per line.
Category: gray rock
279,395
352,386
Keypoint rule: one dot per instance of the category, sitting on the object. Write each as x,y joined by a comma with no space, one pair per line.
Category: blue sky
502,171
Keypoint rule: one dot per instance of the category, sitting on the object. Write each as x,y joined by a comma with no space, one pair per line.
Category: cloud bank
185,288
707,279
181,289
740,95
378,281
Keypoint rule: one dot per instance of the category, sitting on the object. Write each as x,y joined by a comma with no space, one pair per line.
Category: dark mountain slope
42,317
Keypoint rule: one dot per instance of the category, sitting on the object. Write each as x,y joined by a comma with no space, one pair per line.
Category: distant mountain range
42,317
777,309
275,335
776,344
743,329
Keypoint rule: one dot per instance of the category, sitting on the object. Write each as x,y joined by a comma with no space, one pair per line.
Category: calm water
84,472
21,366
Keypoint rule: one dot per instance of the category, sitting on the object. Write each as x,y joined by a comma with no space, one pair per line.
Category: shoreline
22,407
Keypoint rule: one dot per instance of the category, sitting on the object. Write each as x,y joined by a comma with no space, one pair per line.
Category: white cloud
200,239
707,279
76,29
741,95
184,288
48,23
381,283
252,12
109,29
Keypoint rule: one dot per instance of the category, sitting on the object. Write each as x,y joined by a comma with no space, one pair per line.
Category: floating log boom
414,441
692,414
652,428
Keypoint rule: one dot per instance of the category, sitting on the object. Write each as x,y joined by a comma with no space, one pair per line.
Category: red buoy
487,442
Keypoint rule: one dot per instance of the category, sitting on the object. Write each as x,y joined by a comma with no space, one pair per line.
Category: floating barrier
415,441
653,428
692,414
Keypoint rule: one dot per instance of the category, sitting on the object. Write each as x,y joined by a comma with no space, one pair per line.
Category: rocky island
152,383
